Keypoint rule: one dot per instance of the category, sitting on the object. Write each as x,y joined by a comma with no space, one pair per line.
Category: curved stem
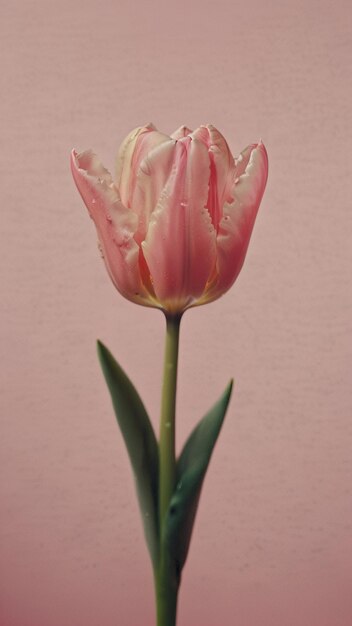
166,579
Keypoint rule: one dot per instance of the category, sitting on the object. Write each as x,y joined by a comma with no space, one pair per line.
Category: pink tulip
175,225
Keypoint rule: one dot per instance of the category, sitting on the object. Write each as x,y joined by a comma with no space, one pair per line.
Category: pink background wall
273,544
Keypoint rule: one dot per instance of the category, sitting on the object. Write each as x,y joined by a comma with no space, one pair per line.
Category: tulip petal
180,246
134,148
115,224
221,170
151,179
237,224
181,132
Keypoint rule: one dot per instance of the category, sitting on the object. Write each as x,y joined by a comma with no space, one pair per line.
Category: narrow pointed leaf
191,469
140,441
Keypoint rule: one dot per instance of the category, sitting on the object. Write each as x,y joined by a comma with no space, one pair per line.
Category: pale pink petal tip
181,132
89,163
265,164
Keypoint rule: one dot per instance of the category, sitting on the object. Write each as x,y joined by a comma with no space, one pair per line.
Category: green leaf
140,441
191,469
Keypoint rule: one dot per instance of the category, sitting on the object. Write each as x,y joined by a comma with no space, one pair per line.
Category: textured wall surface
272,545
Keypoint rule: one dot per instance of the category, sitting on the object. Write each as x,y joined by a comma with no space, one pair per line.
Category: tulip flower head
175,225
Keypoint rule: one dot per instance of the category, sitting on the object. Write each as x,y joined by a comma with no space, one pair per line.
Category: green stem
167,419
166,578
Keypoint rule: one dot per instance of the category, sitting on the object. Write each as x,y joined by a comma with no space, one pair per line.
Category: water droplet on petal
93,201
100,250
